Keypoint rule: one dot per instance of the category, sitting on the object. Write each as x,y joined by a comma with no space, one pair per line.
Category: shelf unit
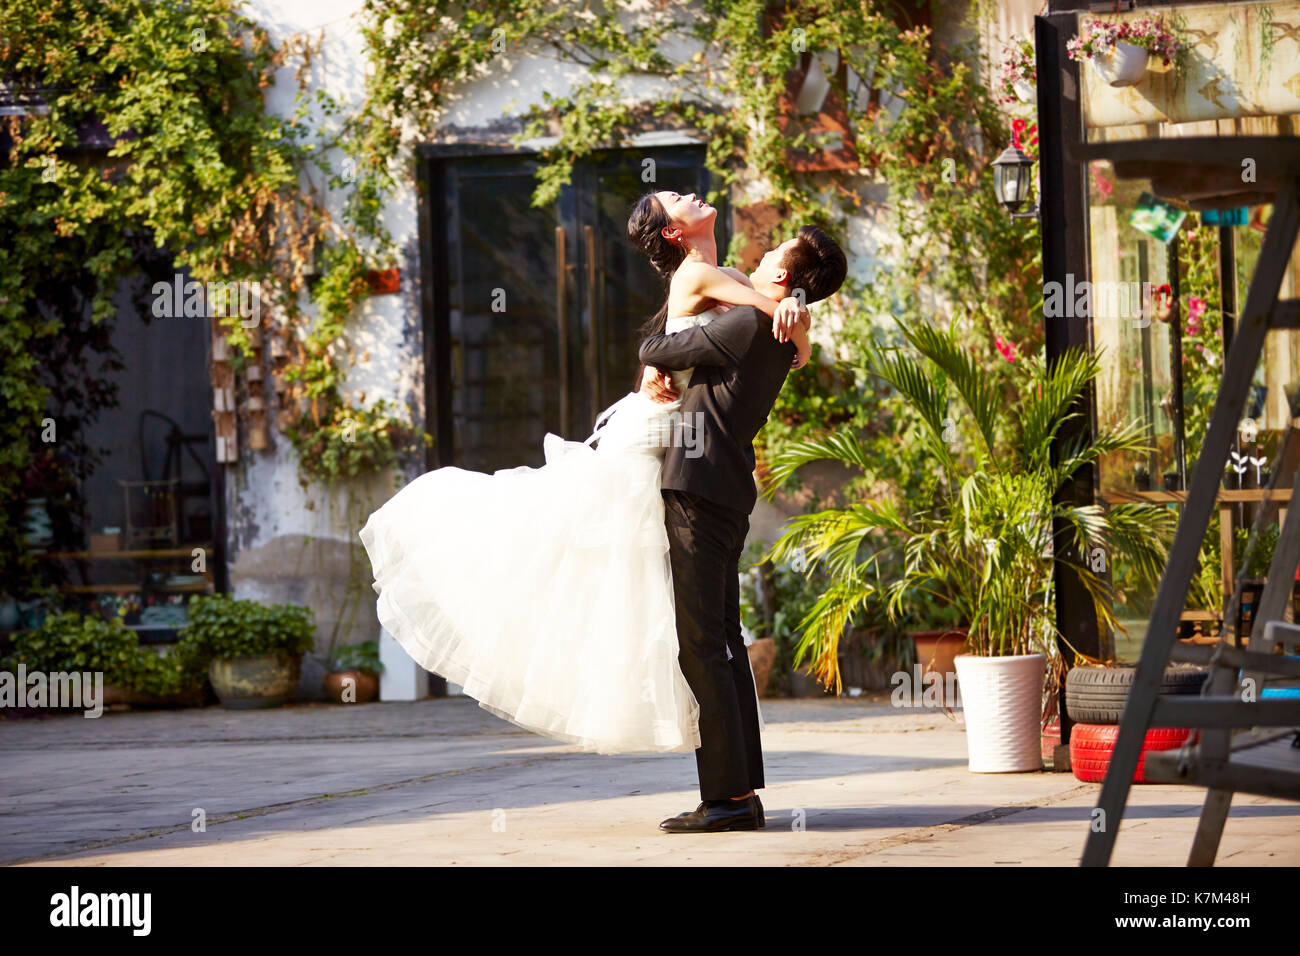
1225,499
141,555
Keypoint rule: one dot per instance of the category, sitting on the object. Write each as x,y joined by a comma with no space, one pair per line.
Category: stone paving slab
442,782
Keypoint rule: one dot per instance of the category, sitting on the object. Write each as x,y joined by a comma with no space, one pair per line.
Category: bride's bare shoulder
690,271
694,275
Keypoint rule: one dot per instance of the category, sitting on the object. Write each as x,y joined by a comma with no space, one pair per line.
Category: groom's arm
724,341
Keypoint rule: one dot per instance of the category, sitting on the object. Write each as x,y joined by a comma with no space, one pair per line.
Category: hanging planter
1121,51
1124,65
1019,76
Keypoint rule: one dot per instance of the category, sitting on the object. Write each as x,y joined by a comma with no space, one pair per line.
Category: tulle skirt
546,593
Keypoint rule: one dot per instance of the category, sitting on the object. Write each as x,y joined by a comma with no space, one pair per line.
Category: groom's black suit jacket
739,369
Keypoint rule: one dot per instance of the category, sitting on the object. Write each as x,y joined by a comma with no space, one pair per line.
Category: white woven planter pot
1122,66
1002,701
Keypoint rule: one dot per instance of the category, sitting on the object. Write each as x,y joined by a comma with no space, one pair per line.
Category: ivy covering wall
924,129
198,171
201,171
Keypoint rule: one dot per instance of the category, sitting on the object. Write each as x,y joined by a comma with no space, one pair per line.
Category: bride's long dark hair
645,228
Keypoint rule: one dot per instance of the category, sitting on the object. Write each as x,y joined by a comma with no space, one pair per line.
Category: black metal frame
1064,229
1066,248
1178,413
434,306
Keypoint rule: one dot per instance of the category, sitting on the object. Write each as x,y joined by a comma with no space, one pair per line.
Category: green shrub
989,540
225,628
173,670
357,657
792,593
70,642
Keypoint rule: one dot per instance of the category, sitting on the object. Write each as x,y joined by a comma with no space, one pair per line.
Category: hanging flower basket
1019,76
1124,65
1120,52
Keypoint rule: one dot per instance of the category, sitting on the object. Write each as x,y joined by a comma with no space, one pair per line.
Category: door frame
435,305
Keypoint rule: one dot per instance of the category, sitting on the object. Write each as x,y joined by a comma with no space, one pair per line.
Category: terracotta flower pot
1051,738
762,655
936,650
364,687
115,696
249,683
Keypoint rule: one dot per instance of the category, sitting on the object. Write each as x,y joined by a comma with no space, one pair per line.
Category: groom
708,496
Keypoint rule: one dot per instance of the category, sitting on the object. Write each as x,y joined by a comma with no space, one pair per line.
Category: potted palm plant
984,538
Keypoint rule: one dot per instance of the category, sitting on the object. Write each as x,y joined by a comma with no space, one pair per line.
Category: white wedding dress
546,593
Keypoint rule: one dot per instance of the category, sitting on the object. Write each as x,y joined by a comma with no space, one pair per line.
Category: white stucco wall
294,541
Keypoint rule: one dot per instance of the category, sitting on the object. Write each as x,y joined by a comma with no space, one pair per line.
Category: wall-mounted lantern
1013,172
1013,180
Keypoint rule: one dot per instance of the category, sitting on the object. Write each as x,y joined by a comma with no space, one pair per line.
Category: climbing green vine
201,169
924,130
197,170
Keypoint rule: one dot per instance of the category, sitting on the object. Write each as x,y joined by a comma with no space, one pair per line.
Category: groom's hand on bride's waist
658,386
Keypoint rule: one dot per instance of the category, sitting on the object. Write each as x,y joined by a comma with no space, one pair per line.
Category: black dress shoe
686,813
714,816
762,814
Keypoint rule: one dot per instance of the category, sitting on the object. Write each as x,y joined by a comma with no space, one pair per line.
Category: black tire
1096,695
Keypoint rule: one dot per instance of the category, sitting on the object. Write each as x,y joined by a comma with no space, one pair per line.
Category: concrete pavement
442,782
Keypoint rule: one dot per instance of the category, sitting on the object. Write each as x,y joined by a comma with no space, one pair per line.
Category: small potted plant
254,650
1019,79
1119,51
353,676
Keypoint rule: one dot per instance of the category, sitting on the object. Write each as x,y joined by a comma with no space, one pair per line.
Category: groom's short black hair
815,264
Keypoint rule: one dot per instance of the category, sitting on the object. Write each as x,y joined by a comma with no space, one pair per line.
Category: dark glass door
623,290
532,314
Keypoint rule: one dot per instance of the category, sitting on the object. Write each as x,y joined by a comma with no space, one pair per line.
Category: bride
546,592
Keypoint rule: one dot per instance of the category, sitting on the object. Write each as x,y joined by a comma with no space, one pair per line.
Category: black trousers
705,541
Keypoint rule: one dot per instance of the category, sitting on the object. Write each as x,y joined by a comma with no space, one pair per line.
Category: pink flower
1006,349
1104,185
1196,307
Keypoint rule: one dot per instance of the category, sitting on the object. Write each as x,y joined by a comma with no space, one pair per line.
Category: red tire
1091,746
